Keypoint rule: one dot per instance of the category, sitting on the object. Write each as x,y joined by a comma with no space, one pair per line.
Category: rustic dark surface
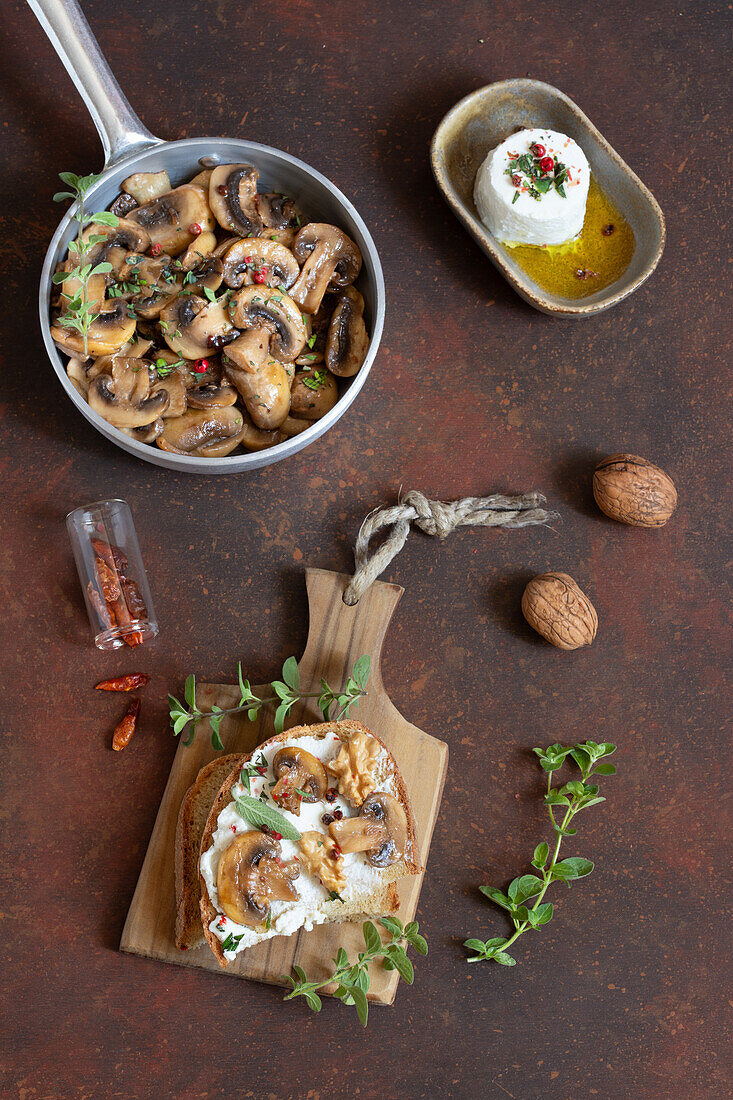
623,995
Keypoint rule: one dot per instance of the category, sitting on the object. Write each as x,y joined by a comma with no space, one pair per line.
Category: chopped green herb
231,942
317,379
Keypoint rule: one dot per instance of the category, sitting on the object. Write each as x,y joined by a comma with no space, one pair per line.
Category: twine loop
437,518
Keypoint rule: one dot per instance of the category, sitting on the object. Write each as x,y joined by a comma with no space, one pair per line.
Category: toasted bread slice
192,818
369,891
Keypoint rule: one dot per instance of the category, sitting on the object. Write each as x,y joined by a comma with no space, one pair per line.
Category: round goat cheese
523,201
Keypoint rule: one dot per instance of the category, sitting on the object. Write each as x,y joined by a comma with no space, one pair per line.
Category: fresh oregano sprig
79,312
572,797
353,978
334,705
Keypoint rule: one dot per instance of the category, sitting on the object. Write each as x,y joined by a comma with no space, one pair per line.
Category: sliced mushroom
275,311
207,276
78,376
301,777
198,250
72,286
212,395
125,399
234,200
255,439
251,875
201,179
284,237
278,211
133,349
208,433
265,391
330,258
314,393
147,434
191,326
271,320
348,341
175,387
112,328
122,205
291,426
271,262
175,219
119,240
158,285
145,186
380,830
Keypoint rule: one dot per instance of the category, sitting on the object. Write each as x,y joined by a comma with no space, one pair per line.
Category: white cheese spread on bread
306,910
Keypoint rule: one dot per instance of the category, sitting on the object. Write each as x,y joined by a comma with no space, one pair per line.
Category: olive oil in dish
597,258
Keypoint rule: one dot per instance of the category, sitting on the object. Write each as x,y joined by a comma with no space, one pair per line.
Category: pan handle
120,129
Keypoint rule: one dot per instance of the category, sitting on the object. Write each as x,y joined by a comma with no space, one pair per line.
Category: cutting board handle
338,635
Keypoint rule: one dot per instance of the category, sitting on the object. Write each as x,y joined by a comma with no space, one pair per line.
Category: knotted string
434,517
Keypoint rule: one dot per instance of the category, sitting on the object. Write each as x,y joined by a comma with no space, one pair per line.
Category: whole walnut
559,610
631,490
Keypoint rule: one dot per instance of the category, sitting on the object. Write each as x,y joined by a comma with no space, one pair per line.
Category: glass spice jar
112,574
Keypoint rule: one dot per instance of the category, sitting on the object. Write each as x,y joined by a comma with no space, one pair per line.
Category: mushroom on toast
301,777
380,830
251,875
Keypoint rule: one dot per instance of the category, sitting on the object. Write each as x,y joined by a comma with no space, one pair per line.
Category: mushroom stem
357,834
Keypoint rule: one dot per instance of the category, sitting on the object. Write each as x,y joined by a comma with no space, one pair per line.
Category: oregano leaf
291,675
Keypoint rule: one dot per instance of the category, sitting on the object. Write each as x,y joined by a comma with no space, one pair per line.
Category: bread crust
388,898
188,931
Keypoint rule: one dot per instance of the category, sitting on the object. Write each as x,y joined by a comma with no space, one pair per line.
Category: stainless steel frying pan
129,147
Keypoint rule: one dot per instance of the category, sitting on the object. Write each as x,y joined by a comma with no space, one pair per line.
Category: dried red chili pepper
105,612
122,615
110,554
124,731
133,599
124,601
109,582
124,683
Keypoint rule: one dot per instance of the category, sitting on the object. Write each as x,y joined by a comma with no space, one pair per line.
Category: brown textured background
623,995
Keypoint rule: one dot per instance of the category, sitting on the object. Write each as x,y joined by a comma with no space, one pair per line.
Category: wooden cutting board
337,636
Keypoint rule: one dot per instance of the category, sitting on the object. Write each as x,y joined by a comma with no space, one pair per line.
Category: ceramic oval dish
485,118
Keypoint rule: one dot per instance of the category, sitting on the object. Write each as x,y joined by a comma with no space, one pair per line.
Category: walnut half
354,767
